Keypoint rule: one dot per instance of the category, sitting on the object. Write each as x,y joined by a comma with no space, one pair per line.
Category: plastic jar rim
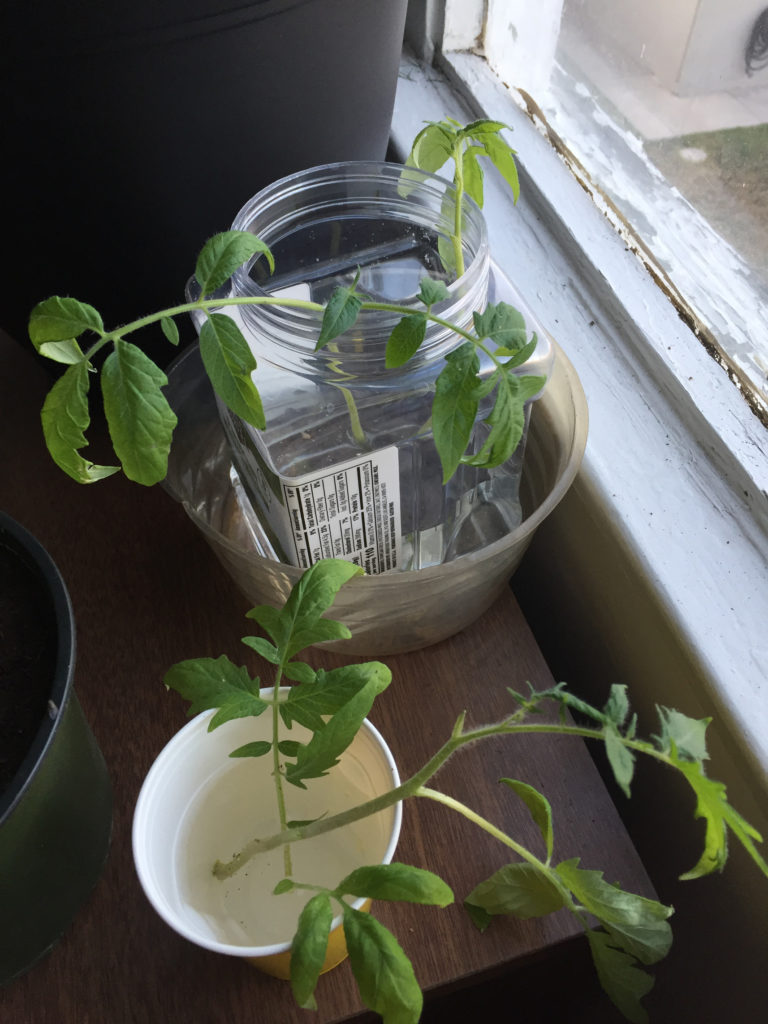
305,324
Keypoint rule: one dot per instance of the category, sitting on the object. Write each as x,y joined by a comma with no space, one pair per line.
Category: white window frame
676,458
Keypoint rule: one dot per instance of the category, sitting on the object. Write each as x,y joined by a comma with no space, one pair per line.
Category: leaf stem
354,417
202,305
379,803
522,851
458,181
483,823
207,305
278,772
509,726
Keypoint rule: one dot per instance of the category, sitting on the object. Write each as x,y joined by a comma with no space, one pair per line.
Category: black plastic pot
132,130
55,794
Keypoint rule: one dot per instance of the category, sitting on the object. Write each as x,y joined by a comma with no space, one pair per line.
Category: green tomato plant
140,419
626,932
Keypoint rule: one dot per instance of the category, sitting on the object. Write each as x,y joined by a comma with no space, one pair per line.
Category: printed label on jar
350,512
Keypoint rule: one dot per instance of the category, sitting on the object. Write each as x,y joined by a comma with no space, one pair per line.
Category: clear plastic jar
347,465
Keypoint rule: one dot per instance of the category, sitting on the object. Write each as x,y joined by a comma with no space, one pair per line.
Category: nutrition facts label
352,512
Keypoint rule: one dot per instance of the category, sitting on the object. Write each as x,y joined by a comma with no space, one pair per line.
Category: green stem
484,824
207,305
202,305
641,746
458,181
364,810
354,417
510,726
522,851
278,773
388,307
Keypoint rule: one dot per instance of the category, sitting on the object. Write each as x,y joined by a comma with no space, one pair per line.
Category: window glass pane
665,103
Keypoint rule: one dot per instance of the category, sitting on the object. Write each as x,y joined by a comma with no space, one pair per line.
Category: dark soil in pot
27,659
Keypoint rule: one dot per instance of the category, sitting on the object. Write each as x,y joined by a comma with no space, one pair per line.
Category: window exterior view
663,108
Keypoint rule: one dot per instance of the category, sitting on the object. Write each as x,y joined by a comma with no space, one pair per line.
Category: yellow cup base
279,964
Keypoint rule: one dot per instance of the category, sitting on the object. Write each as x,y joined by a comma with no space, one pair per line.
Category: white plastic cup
198,805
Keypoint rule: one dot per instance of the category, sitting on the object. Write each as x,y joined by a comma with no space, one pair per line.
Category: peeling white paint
707,271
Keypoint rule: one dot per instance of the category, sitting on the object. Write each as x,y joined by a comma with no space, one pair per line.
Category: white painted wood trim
520,41
675,457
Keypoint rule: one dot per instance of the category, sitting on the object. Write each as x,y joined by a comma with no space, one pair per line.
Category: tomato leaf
299,623
617,706
209,683
454,407
315,699
221,256
229,363
258,748
170,330
517,889
712,805
309,947
60,319
540,809
397,882
140,420
683,734
317,757
620,758
340,313
619,909
506,419
383,972
65,418
503,158
622,980
503,324
431,148
473,173
432,290
407,334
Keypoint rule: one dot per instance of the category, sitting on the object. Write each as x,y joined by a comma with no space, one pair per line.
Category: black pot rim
23,542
